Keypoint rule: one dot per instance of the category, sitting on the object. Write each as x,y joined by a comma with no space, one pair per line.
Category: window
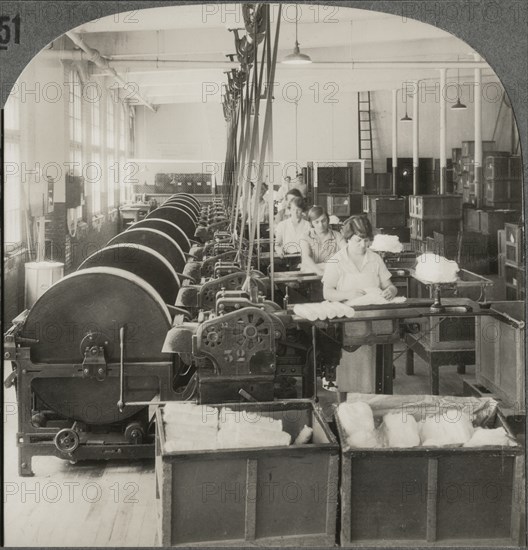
110,147
75,125
75,116
123,137
93,177
12,173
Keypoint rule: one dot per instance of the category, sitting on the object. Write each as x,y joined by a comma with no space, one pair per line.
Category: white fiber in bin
229,438
358,422
386,243
305,436
433,268
190,413
398,430
485,437
446,429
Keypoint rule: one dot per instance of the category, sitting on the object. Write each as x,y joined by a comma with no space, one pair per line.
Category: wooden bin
500,353
435,207
431,496
514,244
274,496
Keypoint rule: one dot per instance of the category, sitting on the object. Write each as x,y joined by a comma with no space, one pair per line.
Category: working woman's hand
389,293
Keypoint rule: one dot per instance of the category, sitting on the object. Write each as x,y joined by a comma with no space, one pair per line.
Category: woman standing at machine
290,231
353,272
321,242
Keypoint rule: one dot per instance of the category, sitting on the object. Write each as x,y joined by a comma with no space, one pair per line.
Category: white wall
326,129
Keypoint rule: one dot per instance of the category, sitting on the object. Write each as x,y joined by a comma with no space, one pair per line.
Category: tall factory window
123,116
12,171
75,127
94,175
110,146
95,171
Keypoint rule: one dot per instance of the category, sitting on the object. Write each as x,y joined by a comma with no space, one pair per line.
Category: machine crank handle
247,395
10,380
121,402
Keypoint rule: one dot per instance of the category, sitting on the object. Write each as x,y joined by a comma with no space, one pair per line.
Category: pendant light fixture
297,58
458,106
406,118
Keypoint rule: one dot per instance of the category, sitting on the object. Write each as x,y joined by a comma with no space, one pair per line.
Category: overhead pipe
156,60
95,57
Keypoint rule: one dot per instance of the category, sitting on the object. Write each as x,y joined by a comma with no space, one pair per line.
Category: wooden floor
113,503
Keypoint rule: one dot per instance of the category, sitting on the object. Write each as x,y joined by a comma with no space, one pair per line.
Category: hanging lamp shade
406,118
297,58
458,106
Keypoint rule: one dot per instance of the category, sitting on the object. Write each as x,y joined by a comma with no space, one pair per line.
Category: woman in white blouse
290,232
350,273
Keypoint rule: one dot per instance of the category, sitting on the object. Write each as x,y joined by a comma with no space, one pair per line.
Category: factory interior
264,285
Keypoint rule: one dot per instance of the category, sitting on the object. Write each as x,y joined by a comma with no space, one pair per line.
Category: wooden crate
468,148
447,245
386,219
500,192
344,205
272,496
500,353
501,264
430,496
435,207
514,276
501,241
471,219
514,244
499,167
492,221
420,229
472,253
359,333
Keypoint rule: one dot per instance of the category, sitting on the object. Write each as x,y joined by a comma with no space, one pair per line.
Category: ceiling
170,54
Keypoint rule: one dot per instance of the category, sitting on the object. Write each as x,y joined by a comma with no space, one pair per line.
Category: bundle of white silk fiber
433,268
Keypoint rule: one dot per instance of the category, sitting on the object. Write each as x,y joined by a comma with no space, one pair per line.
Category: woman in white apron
353,272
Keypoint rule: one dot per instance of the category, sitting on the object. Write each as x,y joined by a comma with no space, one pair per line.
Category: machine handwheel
67,440
134,433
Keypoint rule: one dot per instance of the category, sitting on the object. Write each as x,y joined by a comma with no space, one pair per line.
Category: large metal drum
176,216
175,232
155,239
182,205
142,261
90,307
190,204
189,196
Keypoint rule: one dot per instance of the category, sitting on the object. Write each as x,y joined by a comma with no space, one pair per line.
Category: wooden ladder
365,131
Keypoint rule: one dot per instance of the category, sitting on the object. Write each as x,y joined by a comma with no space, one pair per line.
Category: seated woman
352,272
282,210
321,242
290,231
355,270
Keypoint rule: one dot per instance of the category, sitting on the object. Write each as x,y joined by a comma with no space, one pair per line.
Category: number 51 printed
7,23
